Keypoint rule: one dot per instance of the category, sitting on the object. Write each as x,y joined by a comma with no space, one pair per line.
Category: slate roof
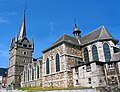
97,63
64,38
67,38
98,34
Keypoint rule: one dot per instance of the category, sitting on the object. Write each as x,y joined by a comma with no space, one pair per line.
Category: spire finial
75,21
76,30
25,9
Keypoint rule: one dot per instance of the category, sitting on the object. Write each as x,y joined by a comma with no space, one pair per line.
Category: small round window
24,53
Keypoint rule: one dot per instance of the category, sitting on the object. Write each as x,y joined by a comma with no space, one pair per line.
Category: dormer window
24,45
29,45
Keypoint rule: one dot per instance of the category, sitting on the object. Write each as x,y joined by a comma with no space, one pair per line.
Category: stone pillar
100,52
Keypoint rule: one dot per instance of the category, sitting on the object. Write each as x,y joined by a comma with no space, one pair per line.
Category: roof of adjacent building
98,34
115,57
97,63
3,72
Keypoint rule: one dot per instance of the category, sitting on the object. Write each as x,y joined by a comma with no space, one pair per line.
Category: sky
47,20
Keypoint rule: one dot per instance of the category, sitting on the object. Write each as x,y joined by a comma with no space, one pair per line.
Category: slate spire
22,33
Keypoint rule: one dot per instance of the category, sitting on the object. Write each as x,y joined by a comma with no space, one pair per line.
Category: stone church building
92,60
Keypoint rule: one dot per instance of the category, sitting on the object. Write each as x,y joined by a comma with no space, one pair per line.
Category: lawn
46,89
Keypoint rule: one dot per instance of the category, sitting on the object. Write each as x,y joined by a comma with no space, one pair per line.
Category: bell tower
21,51
76,30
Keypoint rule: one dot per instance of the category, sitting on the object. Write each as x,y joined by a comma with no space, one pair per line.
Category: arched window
28,74
95,53
86,55
47,66
24,76
57,62
106,52
32,73
38,72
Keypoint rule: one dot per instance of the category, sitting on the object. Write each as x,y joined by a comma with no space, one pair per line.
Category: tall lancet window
24,76
28,74
95,53
47,66
107,53
86,55
38,70
32,73
57,62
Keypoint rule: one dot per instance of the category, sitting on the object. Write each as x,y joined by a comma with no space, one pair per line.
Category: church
92,60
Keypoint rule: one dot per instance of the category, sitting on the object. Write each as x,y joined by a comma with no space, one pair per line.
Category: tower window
24,61
24,45
24,53
29,45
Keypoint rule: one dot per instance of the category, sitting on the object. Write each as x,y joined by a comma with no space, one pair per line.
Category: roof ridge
101,31
63,36
105,30
94,30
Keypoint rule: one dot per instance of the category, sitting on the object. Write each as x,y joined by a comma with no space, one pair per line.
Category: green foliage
49,88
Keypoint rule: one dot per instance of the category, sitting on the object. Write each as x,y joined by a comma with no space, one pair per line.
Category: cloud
8,13
11,13
2,20
51,26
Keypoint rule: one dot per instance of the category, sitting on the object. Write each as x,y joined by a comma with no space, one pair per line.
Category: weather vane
25,8
75,21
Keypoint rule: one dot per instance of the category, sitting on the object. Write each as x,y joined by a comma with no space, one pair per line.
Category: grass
49,88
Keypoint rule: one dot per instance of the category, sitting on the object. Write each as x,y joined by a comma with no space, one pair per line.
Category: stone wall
95,74
69,54
54,78
19,56
32,83
26,78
